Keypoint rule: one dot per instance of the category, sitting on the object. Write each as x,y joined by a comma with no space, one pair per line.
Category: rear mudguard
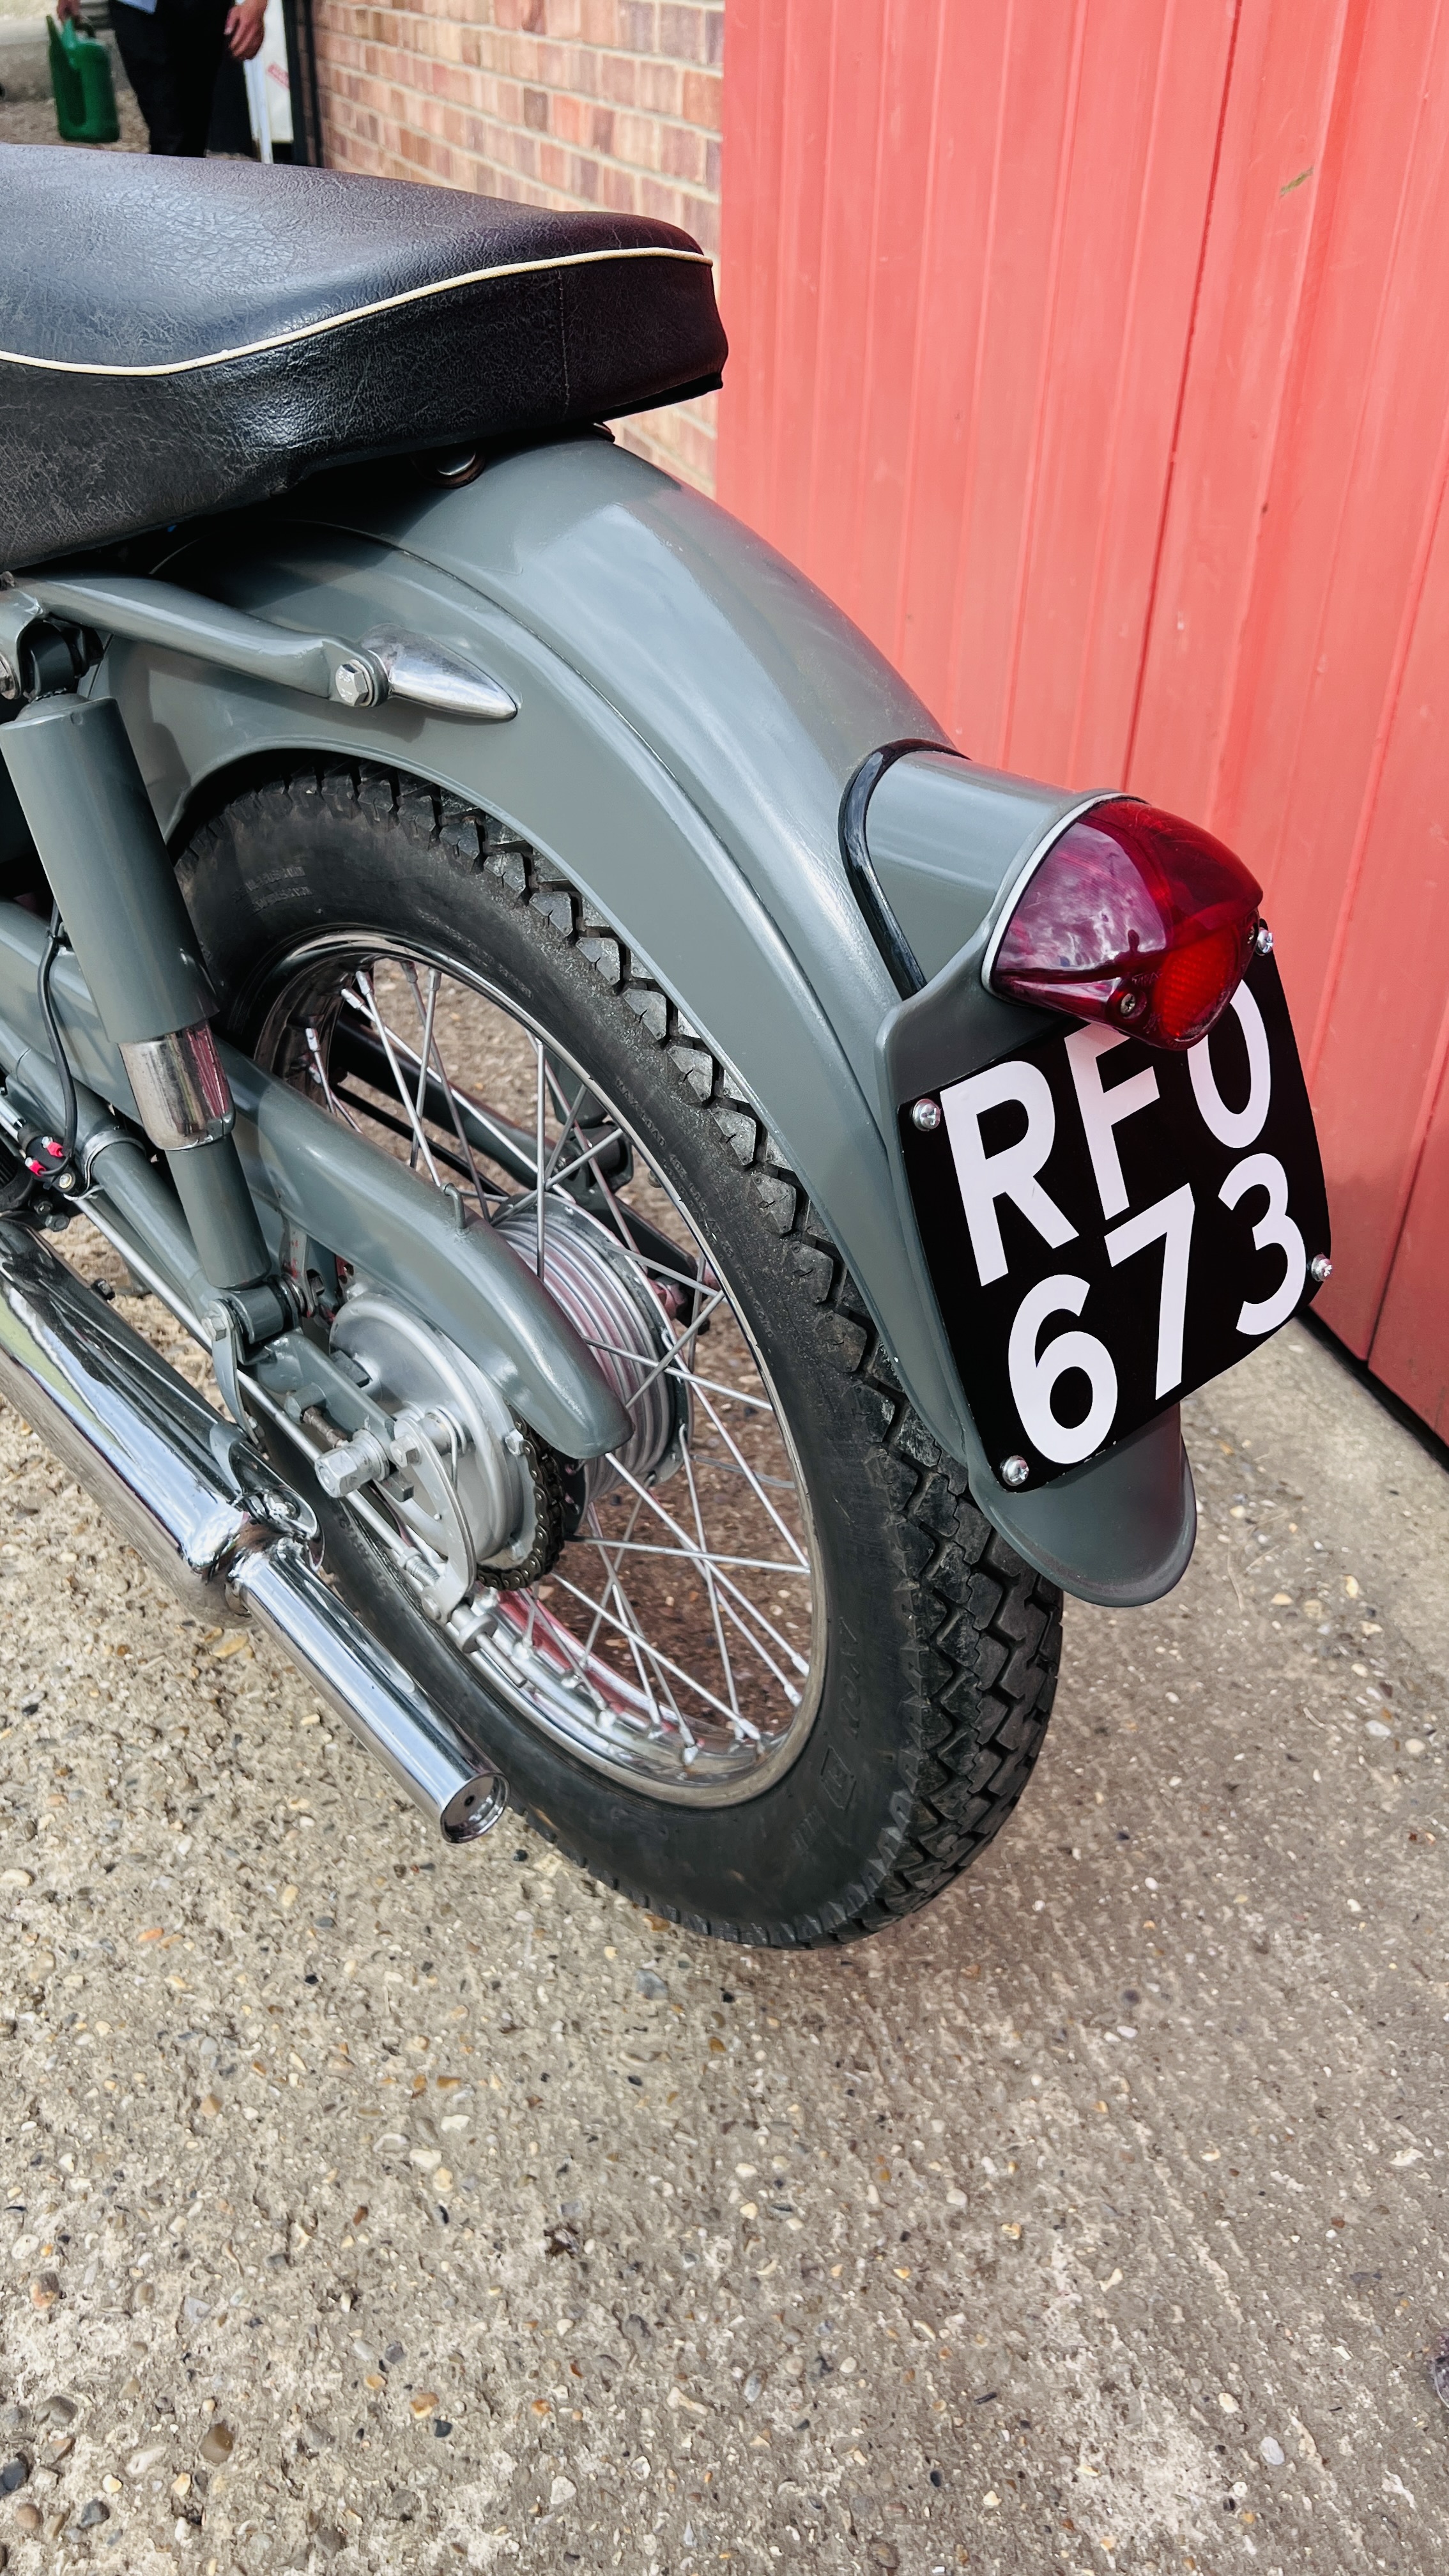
690,713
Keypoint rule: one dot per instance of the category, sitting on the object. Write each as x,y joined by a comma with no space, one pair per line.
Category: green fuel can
80,76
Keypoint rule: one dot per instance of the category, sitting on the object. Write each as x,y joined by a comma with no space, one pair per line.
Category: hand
68,9
243,27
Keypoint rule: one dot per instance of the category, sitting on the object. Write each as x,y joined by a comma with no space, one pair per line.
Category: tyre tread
987,1628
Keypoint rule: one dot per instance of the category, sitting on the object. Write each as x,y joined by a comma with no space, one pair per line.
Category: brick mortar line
550,89
525,80
608,53
665,124
555,200
585,205
586,98
601,160
585,152
579,151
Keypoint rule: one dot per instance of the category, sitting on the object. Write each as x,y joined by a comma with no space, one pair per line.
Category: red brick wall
612,104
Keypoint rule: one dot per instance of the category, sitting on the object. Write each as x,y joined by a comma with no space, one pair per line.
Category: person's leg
142,43
171,59
196,29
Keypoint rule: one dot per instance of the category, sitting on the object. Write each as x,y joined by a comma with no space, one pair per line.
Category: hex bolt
927,1115
353,684
358,1461
1320,1268
1263,940
1015,1472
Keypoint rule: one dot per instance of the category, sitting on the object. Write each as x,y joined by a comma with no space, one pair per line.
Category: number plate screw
927,1116
1320,1268
1015,1472
1263,940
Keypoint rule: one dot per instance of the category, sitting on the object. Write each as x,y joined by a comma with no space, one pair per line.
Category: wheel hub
471,1486
454,1467
624,1319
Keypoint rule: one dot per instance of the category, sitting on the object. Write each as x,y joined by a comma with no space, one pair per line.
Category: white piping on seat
359,313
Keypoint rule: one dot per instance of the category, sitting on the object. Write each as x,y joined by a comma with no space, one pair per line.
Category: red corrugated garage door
1094,354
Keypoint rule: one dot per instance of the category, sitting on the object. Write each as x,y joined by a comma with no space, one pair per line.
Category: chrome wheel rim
678,1641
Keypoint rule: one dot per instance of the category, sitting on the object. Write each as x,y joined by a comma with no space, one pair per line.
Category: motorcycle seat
179,337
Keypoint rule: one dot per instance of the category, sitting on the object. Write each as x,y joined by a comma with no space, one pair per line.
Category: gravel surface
373,2204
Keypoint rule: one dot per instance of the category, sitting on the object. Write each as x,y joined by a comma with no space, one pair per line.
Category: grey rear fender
690,713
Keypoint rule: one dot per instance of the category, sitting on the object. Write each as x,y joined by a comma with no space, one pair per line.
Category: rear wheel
766,1668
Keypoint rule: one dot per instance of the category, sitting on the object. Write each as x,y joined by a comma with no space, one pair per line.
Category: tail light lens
1135,918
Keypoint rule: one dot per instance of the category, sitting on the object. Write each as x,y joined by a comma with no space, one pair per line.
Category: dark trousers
171,60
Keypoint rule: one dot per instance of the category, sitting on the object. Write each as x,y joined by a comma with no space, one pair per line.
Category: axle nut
359,1461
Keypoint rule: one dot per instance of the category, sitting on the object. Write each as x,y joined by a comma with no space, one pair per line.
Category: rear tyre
934,1649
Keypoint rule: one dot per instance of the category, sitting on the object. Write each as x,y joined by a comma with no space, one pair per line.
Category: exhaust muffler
208,1511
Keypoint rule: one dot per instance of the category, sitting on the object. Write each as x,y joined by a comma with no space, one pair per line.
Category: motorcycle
703,1203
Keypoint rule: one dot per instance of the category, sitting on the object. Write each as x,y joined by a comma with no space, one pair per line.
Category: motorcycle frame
689,715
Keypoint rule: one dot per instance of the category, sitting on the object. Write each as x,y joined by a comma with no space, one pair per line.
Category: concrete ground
373,2205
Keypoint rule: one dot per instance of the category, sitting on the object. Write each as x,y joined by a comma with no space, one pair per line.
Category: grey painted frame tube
74,771
75,774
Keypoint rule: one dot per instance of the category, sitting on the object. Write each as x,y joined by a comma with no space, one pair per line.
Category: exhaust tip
475,1809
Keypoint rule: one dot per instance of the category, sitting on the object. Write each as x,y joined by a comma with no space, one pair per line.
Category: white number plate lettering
1108,1225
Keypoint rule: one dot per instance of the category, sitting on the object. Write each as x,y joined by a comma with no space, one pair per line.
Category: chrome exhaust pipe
210,1513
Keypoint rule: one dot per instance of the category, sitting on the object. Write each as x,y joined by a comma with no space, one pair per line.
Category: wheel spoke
496,1137
685,1556
631,1625
554,1179
676,1644
319,1065
385,1041
667,1366
591,1518
746,1470
737,1724
432,1054
688,1377
707,1570
693,1554
427,1015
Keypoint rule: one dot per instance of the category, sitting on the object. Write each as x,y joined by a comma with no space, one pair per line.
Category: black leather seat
184,336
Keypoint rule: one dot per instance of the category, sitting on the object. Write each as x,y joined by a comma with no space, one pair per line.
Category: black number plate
1108,1225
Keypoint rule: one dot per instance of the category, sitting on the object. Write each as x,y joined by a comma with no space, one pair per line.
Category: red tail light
1134,918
